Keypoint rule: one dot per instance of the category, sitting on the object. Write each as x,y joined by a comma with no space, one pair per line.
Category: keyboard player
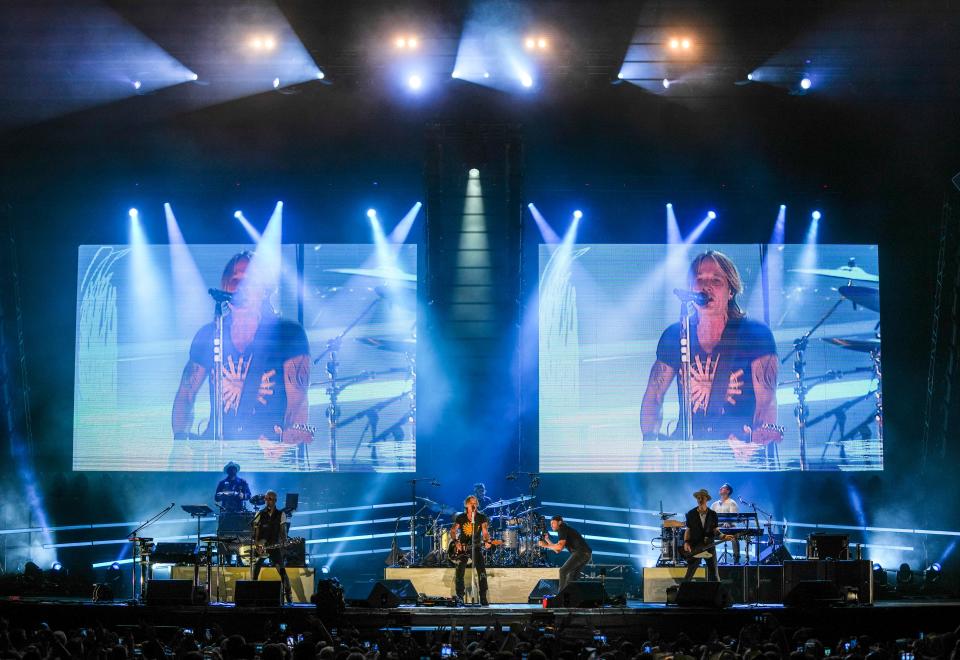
726,504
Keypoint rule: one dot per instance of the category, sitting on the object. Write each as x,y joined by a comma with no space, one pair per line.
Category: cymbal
389,344
394,274
530,510
864,296
852,273
859,345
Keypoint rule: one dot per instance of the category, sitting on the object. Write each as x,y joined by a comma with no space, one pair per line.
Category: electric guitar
453,552
701,550
262,550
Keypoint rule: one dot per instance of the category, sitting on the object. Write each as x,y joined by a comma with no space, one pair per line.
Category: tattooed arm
651,409
190,382
764,371
296,380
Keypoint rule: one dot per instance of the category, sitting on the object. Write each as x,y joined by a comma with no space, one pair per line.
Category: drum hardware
402,345
411,558
388,274
197,511
851,272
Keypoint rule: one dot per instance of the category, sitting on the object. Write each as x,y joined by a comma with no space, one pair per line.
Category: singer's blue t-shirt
721,381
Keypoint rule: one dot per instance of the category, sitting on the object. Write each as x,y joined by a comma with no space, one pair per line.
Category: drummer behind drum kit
868,298
515,528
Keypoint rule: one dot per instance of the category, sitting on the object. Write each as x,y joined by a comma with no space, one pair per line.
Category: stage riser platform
507,585
223,580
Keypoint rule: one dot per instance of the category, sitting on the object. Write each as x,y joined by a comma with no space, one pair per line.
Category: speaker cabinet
704,594
258,593
543,589
828,546
579,594
169,592
775,554
381,594
855,574
812,593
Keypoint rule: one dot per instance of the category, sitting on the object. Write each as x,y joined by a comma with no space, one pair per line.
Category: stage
886,620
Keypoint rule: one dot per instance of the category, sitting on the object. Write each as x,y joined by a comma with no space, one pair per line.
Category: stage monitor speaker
579,594
258,593
543,589
704,594
812,593
382,593
775,554
328,597
855,574
169,592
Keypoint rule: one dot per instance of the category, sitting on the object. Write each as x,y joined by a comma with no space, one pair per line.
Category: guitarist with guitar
270,531
701,537
471,536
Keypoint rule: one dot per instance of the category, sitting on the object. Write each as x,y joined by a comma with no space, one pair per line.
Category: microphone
696,297
220,296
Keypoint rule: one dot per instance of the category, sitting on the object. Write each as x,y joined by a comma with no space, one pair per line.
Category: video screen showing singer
733,365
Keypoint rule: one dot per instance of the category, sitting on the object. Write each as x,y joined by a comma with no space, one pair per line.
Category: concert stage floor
886,620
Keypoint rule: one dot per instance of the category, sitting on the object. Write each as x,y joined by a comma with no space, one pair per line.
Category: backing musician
702,529
570,539
726,504
233,491
270,529
471,536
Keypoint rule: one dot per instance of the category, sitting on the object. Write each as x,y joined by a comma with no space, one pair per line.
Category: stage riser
222,580
741,581
507,585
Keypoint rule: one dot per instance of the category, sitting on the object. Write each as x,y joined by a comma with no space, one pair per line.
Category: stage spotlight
400,42
133,213
56,566
542,43
685,44
321,75
816,215
238,214
415,82
371,213
113,575
256,43
194,76
474,172
619,75
577,214
932,574
904,574
712,215
325,570
413,42
137,84
805,83
750,77
526,80
269,43
486,74
674,43
666,83
669,205
530,43
455,74
783,207
276,83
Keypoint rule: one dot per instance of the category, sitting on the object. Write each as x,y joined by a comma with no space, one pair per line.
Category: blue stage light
415,82
238,214
783,207
321,75
669,205
56,566
276,83
137,84
666,83
193,76
806,83
577,214
750,77
134,213
525,79
816,215
371,213
712,215
325,570
474,172
455,74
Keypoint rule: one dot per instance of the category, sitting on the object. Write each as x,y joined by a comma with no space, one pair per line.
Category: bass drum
511,539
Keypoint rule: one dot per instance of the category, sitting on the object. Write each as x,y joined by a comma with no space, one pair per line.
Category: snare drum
511,539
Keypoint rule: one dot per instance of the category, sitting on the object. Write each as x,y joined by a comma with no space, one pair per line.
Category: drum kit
335,382
862,296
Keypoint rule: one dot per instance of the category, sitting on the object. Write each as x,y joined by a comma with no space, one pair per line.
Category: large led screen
696,358
315,349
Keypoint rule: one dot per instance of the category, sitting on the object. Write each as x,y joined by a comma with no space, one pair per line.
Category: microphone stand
686,403
217,406
413,517
132,536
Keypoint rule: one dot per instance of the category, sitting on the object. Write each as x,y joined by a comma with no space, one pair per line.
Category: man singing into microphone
733,365
265,368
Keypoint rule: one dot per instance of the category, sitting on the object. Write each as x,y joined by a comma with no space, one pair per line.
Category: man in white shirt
727,505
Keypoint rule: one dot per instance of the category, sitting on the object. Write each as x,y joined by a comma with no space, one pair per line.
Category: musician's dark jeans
481,567
713,575
277,561
570,571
